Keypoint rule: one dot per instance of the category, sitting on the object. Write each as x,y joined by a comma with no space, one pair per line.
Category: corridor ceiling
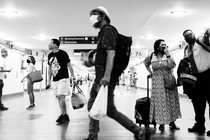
34,22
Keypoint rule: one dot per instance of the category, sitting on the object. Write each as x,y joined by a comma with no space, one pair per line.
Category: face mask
191,40
28,61
162,50
93,19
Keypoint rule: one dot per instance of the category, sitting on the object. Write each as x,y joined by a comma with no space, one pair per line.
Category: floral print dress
164,105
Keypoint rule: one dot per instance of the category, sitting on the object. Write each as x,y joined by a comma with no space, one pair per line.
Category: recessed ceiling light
178,13
43,37
149,37
9,13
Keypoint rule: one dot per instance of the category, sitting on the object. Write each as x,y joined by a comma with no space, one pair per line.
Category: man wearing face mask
4,54
201,68
107,41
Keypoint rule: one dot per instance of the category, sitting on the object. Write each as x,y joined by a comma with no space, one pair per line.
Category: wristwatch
168,56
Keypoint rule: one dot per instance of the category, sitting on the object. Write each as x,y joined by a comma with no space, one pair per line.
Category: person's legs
93,129
208,99
112,113
199,104
2,107
62,90
206,77
30,94
93,124
118,116
62,104
1,90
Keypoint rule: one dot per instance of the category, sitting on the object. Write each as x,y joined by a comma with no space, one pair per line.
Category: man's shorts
61,87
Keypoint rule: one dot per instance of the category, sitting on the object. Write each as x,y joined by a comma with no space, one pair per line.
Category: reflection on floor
39,124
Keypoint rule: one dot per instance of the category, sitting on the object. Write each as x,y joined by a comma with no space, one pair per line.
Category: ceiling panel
144,20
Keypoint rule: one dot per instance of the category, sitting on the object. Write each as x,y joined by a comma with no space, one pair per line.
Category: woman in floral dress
164,105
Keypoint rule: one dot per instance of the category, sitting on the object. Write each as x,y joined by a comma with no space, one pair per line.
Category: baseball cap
103,10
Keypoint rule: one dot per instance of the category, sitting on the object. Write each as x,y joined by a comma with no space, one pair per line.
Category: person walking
164,105
30,86
59,66
104,58
3,70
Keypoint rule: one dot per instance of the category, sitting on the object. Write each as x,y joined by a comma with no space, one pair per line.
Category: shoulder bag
169,81
35,76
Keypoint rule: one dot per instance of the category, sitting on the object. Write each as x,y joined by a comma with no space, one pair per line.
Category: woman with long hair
164,105
30,86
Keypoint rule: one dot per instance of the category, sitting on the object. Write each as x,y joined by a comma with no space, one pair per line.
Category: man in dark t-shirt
59,64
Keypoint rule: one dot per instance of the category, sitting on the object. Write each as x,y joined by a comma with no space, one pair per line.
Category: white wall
12,84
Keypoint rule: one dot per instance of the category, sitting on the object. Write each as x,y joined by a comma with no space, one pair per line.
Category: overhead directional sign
78,39
139,53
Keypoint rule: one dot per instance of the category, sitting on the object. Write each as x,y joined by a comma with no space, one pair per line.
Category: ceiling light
43,37
178,13
149,37
9,13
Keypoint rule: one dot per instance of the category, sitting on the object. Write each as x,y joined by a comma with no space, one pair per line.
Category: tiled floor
39,124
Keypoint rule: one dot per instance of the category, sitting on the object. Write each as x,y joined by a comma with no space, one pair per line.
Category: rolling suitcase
142,108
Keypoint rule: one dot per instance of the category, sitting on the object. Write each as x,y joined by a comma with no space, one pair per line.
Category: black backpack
122,54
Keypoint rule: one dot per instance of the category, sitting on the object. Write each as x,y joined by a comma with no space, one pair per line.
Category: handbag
35,76
169,81
99,107
78,100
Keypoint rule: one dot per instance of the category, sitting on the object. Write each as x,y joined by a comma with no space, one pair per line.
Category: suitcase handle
148,76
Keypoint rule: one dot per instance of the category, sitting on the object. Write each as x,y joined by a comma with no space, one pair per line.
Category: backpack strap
151,56
104,27
200,42
113,28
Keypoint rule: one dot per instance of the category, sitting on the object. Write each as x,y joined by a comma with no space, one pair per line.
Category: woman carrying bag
164,105
30,85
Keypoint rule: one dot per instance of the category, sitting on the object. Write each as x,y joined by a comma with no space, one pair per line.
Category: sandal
173,126
162,127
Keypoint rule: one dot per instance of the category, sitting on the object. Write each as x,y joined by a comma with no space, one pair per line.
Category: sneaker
63,118
208,133
66,117
198,129
173,126
60,118
31,107
162,127
2,107
141,135
92,137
